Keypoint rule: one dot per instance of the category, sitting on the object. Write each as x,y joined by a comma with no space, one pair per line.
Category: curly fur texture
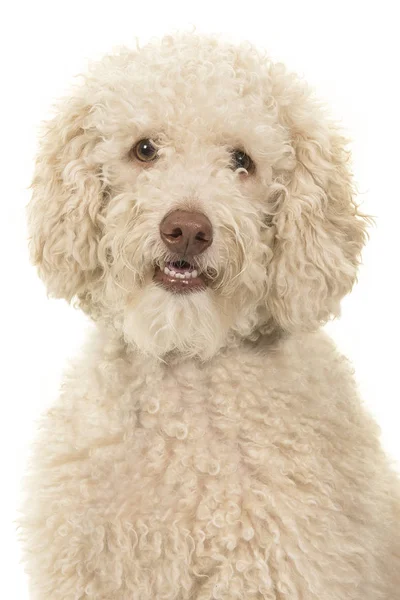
209,445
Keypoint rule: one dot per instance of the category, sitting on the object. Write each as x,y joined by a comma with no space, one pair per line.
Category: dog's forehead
189,65
190,84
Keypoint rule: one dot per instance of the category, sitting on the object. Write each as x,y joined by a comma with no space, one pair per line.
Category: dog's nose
185,232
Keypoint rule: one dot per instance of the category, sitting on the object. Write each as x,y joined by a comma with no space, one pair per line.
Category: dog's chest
226,466
216,445
218,475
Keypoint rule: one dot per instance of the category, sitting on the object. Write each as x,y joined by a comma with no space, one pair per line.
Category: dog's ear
319,232
66,199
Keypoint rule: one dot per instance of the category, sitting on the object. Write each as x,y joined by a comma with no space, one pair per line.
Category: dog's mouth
180,277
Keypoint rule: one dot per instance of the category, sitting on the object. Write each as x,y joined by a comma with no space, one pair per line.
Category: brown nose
185,232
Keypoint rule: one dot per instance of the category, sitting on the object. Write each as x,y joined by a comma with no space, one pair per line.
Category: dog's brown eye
145,151
241,160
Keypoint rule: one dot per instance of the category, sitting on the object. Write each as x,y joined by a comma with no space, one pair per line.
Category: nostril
201,237
177,232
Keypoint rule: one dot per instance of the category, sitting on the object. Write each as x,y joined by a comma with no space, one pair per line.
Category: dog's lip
195,283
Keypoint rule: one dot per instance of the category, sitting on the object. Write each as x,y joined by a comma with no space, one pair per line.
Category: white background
347,50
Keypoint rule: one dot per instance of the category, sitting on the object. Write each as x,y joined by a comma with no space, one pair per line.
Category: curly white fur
210,445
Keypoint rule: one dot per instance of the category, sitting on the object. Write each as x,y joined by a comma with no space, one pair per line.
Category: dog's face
191,192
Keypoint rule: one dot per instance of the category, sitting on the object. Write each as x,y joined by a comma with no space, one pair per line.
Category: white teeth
186,275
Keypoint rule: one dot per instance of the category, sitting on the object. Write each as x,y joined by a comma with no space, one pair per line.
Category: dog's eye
241,160
145,151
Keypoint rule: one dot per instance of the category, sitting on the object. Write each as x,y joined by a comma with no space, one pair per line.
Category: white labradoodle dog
196,201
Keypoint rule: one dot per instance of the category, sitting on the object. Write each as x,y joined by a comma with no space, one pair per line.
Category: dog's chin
159,322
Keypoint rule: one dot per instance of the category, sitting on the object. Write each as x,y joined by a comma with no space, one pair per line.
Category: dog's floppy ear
319,233
65,202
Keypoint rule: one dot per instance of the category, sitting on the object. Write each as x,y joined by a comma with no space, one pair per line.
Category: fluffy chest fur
235,478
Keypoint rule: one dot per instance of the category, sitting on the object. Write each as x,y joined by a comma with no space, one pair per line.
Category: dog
196,201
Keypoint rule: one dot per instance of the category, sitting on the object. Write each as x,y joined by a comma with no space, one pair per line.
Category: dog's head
192,191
